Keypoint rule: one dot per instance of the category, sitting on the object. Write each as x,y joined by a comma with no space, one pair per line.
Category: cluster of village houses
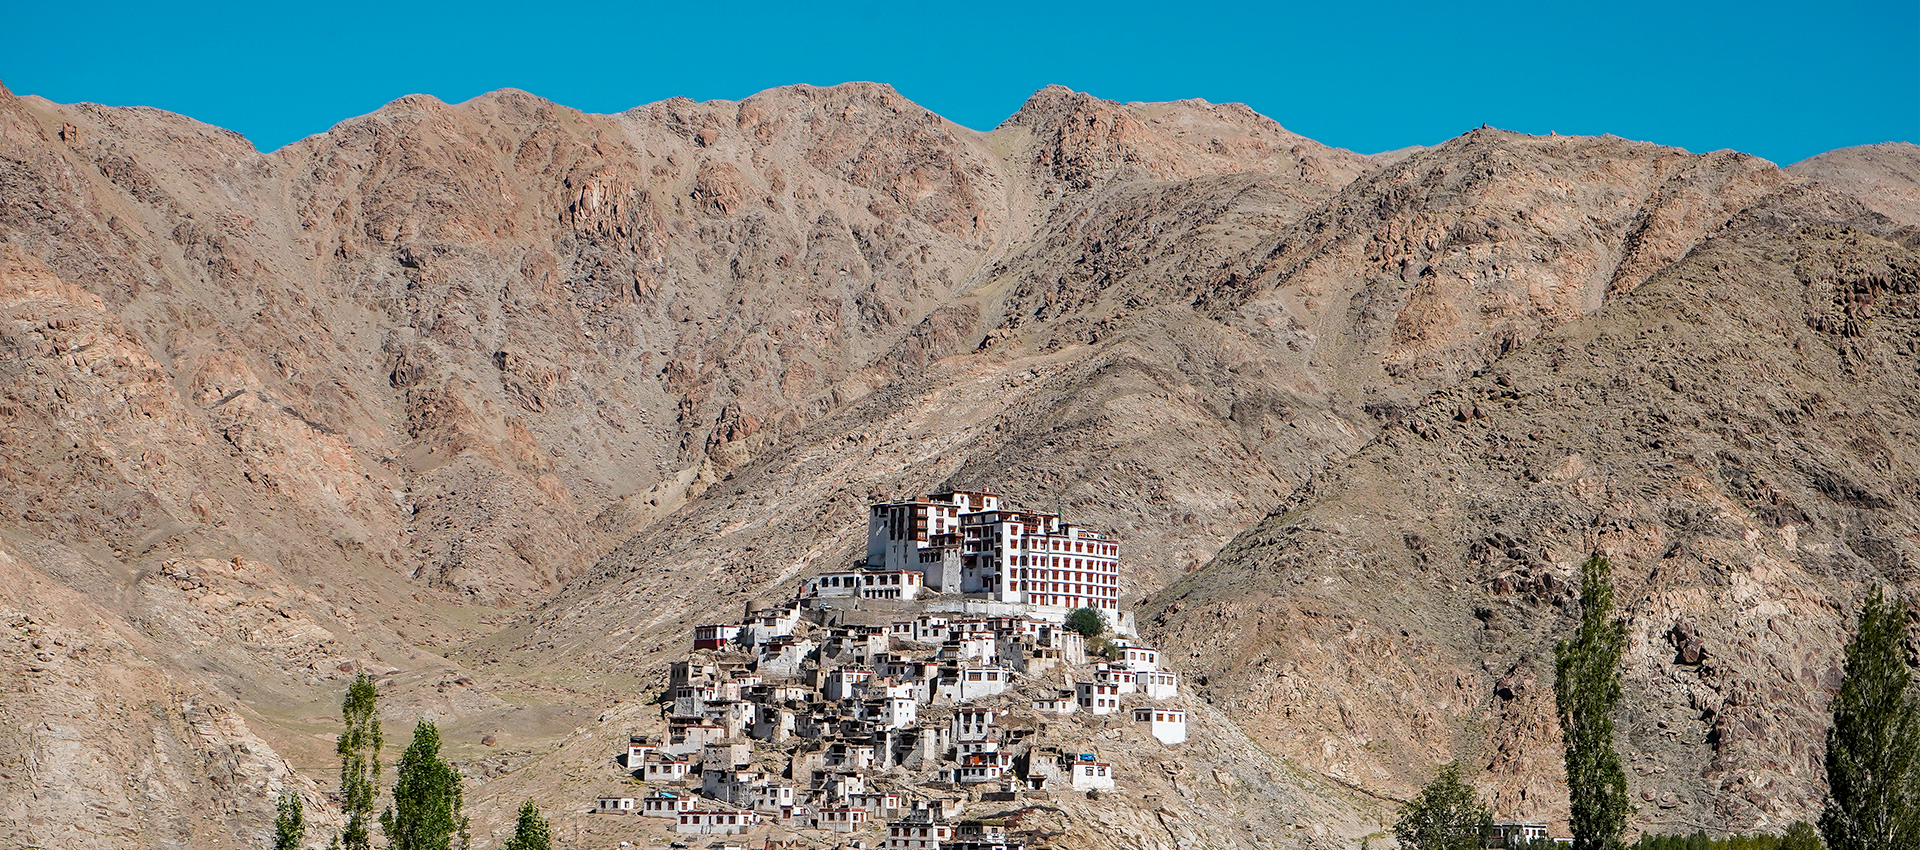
884,700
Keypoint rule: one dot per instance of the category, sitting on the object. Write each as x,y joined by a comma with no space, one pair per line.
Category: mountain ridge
496,398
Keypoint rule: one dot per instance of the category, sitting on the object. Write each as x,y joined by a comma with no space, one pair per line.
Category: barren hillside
496,399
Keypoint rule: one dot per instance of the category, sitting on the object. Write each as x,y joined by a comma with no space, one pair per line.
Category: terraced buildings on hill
858,709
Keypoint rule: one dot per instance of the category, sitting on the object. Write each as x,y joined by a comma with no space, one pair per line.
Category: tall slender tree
359,749
427,801
531,831
1873,747
1586,689
290,822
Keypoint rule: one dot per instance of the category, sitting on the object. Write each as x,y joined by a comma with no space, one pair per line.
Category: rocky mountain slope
497,398
1885,177
1729,434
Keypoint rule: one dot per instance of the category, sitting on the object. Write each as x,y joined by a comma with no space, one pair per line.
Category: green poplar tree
359,749
290,824
1586,689
1087,621
1873,747
1447,815
426,812
531,831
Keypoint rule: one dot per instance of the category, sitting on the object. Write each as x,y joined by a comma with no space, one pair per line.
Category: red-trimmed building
969,542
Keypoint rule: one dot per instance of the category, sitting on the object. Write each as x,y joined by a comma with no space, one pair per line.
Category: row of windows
1042,544
868,580
1041,540
1071,563
713,819
1056,587
1058,601
1068,575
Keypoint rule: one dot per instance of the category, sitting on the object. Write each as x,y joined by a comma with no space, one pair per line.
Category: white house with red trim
666,770
614,806
1168,725
1097,697
1127,680
714,635
716,822
1137,657
665,805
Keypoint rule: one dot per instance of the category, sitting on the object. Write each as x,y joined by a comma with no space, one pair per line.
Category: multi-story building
982,835
970,543
918,835
1097,697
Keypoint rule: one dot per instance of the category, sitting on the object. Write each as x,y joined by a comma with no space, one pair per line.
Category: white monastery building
969,543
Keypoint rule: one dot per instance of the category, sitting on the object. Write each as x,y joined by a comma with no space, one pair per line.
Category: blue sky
1780,80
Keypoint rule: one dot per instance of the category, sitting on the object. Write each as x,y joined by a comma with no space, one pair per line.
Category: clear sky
1778,79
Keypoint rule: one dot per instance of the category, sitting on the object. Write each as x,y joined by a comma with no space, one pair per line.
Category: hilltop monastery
934,679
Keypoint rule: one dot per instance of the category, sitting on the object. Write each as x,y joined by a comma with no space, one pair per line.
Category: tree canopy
1447,815
1087,621
427,800
530,831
